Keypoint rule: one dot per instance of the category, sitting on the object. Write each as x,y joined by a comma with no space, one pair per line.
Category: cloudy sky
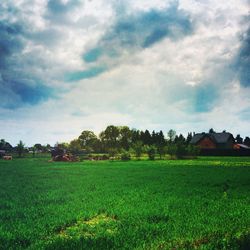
71,65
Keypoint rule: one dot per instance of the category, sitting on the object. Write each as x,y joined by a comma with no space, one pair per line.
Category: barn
214,140
2,153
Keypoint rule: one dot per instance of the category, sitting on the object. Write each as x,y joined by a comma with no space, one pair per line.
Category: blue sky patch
92,55
155,37
205,98
86,74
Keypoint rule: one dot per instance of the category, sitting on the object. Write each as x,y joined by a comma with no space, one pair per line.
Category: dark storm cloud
140,31
18,86
9,42
242,63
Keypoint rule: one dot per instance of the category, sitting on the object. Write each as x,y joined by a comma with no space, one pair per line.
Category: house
2,153
213,140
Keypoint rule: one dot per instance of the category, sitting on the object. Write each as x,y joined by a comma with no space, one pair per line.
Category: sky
73,65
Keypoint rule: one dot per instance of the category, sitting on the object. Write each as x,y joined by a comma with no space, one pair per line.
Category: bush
112,152
151,151
161,151
171,150
125,156
193,150
181,150
138,149
105,157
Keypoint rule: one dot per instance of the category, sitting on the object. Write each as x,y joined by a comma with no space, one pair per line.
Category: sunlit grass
170,204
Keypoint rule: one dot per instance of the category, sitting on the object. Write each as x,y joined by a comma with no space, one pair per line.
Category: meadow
170,204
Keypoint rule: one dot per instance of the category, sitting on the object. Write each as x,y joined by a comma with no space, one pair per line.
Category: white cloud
154,88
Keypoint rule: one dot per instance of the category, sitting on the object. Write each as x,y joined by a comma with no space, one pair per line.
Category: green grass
175,204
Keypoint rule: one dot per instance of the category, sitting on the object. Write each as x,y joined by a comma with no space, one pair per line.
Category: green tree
193,150
151,151
20,148
162,150
171,150
146,137
125,137
181,150
88,140
136,135
189,137
75,146
110,137
4,145
112,152
62,145
138,149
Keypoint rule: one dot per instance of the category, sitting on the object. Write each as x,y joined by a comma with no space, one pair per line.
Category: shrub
181,150
161,151
125,156
171,150
112,152
151,151
138,149
105,157
193,150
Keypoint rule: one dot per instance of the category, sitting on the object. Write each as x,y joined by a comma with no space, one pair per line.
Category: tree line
122,140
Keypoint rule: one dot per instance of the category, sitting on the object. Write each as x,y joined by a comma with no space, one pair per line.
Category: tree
38,147
189,137
154,137
151,151
62,146
171,150
4,145
135,135
112,152
146,137
87,140
180,150
125,137
161,151
239,139
110,137
193,150
171,135
20,148
160,138
247,141
179,139
211,130
75,146
138,149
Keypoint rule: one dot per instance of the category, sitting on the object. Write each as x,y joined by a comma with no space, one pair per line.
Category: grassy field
178,204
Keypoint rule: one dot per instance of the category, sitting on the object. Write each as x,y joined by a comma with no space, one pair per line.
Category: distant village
123,141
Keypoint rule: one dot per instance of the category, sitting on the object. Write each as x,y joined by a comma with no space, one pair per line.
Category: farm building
2,153
214,140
